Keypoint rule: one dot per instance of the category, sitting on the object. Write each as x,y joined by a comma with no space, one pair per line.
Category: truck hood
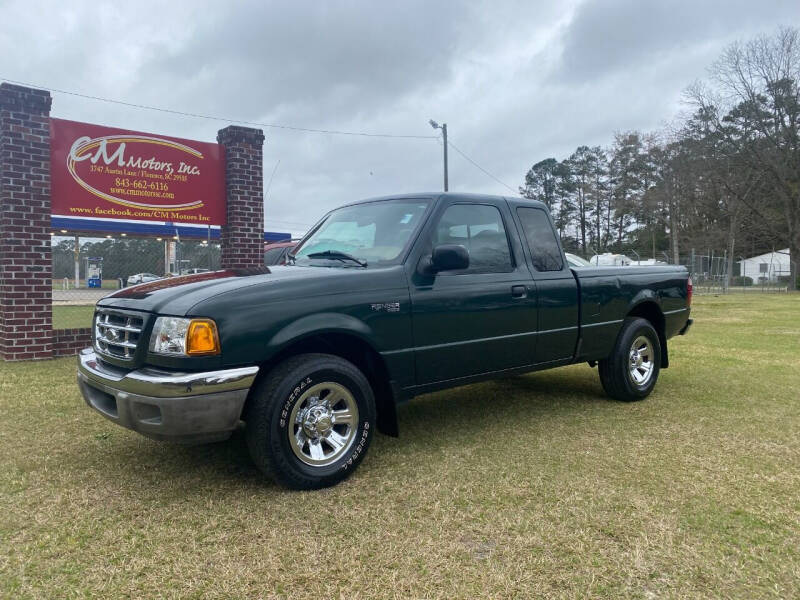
178,295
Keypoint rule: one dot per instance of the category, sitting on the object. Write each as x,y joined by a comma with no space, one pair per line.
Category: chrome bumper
166,405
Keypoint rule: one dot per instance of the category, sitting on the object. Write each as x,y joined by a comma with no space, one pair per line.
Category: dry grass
525,487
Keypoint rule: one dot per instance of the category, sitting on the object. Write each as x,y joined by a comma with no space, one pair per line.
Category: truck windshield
373,232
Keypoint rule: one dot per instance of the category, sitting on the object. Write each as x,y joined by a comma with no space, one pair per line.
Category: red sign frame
107,173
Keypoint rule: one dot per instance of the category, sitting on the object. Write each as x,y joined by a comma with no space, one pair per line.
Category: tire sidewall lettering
358,449
290,400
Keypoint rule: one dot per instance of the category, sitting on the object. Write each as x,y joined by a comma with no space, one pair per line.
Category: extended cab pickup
382,300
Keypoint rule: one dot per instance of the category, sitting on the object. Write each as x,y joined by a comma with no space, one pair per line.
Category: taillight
689,292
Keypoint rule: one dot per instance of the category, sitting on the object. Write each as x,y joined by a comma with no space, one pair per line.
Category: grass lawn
71,317
105,284
525,487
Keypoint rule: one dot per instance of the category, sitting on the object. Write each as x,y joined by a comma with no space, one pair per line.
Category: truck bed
606,293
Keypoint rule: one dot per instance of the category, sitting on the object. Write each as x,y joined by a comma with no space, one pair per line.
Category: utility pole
77,253
178,252
443,127
208,247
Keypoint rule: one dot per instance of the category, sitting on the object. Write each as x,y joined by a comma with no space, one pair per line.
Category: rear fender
646,304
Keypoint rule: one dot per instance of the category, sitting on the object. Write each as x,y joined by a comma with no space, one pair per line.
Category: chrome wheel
640,361
323,424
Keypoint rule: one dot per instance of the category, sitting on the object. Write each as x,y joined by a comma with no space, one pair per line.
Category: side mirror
449,257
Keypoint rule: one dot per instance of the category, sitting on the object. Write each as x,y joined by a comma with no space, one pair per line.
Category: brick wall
25,256
68,342
243,236
25,261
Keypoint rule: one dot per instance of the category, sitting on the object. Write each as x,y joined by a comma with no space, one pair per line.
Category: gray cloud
516,81
316,64
609,35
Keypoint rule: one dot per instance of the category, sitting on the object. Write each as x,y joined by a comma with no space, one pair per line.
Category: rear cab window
541,239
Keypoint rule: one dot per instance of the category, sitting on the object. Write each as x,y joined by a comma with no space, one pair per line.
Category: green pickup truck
382,300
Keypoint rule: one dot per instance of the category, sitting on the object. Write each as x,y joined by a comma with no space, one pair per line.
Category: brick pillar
25,260
243,235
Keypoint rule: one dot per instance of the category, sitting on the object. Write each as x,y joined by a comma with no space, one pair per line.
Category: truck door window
542,242
479,228
273,256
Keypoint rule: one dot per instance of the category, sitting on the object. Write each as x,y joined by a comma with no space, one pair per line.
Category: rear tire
631,370
310,421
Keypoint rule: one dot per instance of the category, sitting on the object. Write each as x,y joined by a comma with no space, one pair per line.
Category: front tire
310,421
631,371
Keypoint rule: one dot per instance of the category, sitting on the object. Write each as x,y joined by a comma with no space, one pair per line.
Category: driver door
480,319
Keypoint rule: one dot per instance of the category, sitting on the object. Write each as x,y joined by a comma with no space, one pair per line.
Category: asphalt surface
79,297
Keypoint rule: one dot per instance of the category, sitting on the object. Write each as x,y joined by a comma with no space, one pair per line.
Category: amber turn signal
202,338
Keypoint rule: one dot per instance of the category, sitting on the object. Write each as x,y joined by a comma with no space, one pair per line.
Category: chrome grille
117,334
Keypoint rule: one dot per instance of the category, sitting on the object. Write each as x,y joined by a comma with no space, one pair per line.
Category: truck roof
455,195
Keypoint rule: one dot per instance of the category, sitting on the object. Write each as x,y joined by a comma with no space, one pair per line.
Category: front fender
319,323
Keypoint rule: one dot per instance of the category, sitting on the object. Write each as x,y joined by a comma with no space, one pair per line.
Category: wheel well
363,356
651,312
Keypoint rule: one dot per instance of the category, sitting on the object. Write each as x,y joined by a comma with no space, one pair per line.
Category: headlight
174,336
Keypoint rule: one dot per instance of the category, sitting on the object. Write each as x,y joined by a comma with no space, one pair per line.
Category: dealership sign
105,173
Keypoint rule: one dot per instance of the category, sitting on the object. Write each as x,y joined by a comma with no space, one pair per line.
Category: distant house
766,267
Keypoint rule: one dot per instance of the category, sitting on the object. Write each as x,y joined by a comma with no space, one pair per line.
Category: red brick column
68,342
25,260
243,236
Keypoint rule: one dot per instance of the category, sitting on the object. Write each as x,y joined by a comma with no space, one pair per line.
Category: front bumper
166,405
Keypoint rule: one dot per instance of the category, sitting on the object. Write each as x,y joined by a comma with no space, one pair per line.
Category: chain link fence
717,273
86,269
714,272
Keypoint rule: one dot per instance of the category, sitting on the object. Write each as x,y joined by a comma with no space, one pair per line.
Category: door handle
518,291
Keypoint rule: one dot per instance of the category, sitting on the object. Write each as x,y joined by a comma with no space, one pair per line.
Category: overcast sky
516,82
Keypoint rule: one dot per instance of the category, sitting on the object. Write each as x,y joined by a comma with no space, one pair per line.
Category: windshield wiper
337,255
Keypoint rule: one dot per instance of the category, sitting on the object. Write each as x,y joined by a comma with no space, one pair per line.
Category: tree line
725,176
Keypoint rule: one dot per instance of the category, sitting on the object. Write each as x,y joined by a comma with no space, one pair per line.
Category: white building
766,267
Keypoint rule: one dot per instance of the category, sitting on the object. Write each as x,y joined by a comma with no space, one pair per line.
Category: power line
258,123
216,118
477,166
269,185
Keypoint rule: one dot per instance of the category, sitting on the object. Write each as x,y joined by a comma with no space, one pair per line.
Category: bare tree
754,103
